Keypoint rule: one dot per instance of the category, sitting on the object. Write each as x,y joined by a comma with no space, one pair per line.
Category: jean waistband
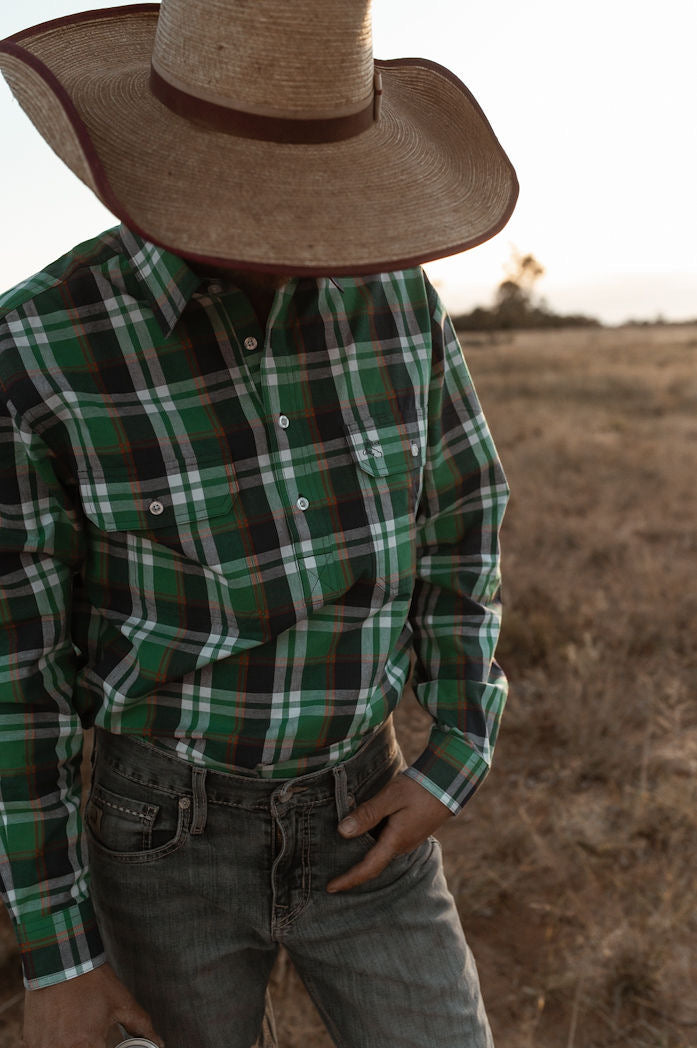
137,759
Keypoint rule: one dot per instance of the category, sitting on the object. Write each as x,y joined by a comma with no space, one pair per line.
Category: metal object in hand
136,1042
122,1039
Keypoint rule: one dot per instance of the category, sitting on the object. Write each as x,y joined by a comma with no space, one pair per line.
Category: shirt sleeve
43,868
456,606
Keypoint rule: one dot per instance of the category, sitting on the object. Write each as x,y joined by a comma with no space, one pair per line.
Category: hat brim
428,179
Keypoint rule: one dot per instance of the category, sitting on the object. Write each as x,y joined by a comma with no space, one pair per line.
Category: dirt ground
574,867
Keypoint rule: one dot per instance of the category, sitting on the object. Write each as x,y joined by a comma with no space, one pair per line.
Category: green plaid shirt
229,541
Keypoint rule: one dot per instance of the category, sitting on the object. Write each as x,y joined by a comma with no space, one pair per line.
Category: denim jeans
199,876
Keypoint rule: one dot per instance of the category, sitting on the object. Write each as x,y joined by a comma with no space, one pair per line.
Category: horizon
605,161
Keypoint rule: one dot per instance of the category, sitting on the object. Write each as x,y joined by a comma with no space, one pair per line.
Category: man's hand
80,1012
412,815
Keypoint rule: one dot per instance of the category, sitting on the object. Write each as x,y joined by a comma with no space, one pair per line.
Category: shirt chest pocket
178,500
388,456
390,451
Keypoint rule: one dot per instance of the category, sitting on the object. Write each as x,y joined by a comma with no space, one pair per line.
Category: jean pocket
367,789
130,829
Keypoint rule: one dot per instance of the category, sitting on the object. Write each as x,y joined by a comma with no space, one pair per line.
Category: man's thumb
136,1023
363,818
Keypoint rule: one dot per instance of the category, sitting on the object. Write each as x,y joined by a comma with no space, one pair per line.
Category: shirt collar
166,280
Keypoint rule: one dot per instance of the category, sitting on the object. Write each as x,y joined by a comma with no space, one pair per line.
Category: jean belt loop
340,790
200,813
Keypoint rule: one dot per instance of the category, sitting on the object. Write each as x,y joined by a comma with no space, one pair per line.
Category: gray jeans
198,876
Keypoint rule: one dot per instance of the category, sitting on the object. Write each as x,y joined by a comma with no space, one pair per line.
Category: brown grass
574,868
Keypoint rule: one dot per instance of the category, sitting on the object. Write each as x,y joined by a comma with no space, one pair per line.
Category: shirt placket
294,464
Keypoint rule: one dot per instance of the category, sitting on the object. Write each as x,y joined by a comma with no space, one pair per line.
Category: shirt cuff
449,768
58,946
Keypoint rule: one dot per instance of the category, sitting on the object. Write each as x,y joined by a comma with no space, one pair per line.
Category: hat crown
303,59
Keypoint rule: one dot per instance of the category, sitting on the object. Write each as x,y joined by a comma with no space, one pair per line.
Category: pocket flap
119,502
383,446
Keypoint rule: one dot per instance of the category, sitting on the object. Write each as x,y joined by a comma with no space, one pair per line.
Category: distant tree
522,271
512,308
515,305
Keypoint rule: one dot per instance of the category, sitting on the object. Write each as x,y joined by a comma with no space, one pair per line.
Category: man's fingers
410,812
371,866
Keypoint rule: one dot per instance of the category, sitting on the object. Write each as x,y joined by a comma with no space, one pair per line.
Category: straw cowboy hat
263,134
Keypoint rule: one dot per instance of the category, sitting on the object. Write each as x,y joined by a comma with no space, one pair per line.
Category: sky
593,102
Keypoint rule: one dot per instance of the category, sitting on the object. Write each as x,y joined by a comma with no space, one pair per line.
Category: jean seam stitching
141,858
185,788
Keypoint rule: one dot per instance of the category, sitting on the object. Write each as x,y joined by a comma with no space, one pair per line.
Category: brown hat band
267,128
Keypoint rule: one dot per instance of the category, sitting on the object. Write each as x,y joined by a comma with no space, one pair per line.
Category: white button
215,289
363,453
156,508
284,421
414,448
302,503
250,343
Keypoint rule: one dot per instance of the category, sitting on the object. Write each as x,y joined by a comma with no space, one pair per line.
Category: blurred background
574,867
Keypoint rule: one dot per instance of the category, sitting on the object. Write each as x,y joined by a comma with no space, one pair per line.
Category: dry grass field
575,868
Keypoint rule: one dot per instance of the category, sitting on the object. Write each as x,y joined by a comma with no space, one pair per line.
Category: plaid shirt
229,541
